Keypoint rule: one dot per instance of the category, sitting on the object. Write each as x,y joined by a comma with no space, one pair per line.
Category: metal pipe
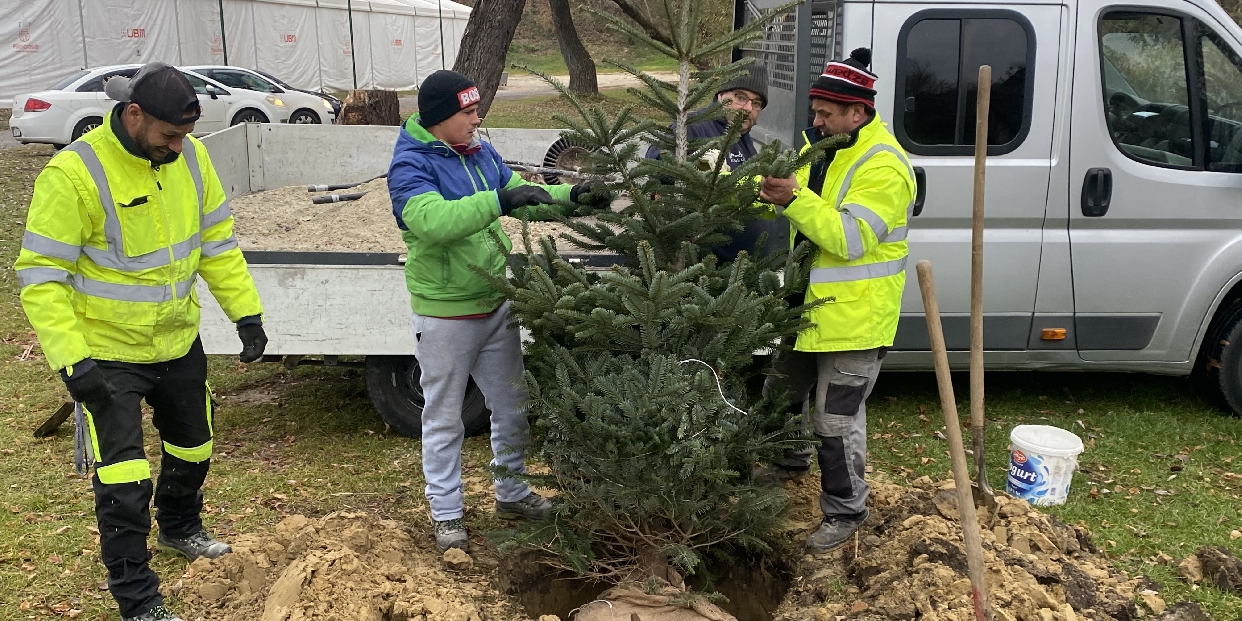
337,198
224,43
353,51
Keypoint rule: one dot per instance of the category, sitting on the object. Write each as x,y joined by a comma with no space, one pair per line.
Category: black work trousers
177,393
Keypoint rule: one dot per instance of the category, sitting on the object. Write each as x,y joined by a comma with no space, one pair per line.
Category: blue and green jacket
447,209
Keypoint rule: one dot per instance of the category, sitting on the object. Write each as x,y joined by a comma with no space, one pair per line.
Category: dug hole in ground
906,562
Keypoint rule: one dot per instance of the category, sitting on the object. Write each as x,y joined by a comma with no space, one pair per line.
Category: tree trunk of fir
581,68
485,44
370,107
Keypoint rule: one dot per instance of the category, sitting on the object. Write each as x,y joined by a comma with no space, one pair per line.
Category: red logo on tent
396,42
290,38
23,35
135,33
1019,456
469,96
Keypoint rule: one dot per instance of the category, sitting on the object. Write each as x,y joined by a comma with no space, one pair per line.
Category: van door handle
1097,192
920,189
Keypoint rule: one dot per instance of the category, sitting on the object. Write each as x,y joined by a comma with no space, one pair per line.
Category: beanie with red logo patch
443,94
847,81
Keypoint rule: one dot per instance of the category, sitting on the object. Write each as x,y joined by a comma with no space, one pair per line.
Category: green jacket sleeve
874,205
57,226
559,192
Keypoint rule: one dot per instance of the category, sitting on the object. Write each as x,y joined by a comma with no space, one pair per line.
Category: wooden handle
957,454
977,422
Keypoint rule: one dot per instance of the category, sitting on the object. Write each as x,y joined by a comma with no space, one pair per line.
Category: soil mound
343,566
908,561
285,219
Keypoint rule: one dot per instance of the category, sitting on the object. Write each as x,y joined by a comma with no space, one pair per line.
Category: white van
1114,188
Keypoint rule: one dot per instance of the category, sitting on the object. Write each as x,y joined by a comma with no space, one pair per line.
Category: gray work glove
87,383
253,338
522,196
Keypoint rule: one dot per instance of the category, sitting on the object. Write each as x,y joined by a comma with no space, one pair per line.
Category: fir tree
643,380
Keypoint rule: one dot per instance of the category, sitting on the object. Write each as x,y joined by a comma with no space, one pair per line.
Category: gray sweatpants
450,352
843,381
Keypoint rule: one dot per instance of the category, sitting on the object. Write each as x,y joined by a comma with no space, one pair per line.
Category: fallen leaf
55,559
1095,493
1234,534
62,530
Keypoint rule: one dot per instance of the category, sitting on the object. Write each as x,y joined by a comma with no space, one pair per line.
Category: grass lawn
640,56
1161,475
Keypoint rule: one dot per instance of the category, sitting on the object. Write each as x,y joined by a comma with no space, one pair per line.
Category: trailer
343,308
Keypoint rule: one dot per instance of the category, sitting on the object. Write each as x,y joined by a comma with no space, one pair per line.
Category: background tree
485,43
582,79
649,413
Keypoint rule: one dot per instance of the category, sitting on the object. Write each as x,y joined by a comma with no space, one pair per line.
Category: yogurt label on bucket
1026,477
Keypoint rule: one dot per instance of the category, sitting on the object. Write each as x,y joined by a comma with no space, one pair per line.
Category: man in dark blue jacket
448,193
748,93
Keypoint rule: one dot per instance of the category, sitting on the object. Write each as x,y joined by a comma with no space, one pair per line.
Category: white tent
322,44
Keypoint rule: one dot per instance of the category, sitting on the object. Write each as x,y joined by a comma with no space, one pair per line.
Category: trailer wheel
392,382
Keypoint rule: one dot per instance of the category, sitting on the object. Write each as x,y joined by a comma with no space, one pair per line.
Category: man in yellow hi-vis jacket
122,223
854,206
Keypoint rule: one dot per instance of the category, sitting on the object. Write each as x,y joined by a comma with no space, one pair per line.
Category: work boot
775,475
532,507
452,534
196,545
834,531
159,613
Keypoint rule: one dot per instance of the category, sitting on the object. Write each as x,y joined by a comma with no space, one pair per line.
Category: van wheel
1219,369
392,382
85,125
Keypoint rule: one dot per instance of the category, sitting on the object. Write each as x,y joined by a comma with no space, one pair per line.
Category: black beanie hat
754,80
443,94
847,81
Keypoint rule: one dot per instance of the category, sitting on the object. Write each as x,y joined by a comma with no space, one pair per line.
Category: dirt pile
908,561
344,566
285,219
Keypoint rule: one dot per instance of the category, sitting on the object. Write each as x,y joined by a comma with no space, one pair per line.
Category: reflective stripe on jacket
858,223
112,249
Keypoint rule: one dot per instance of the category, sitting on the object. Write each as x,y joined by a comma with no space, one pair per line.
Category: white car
78,104
305,107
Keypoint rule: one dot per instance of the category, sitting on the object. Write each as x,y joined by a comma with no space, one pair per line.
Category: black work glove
87,383
522,196
254,340
593,193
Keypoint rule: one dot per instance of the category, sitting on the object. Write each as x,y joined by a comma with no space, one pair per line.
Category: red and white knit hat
847,81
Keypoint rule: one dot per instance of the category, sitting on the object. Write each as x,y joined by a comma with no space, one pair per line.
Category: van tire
1219,369
392,382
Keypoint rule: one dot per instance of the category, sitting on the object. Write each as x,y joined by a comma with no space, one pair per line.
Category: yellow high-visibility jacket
113,247
858,223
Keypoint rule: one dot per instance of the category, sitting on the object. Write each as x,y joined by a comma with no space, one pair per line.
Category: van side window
1223,89
938,57
1145,96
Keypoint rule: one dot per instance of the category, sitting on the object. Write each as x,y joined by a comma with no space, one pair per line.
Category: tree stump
370,107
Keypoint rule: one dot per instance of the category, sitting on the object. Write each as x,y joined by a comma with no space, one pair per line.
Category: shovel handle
957,453
977,422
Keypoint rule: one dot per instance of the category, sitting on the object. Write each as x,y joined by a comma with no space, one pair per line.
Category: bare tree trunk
582,78
486,43
370,107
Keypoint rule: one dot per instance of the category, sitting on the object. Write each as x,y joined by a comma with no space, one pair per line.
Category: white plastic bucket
1042,460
